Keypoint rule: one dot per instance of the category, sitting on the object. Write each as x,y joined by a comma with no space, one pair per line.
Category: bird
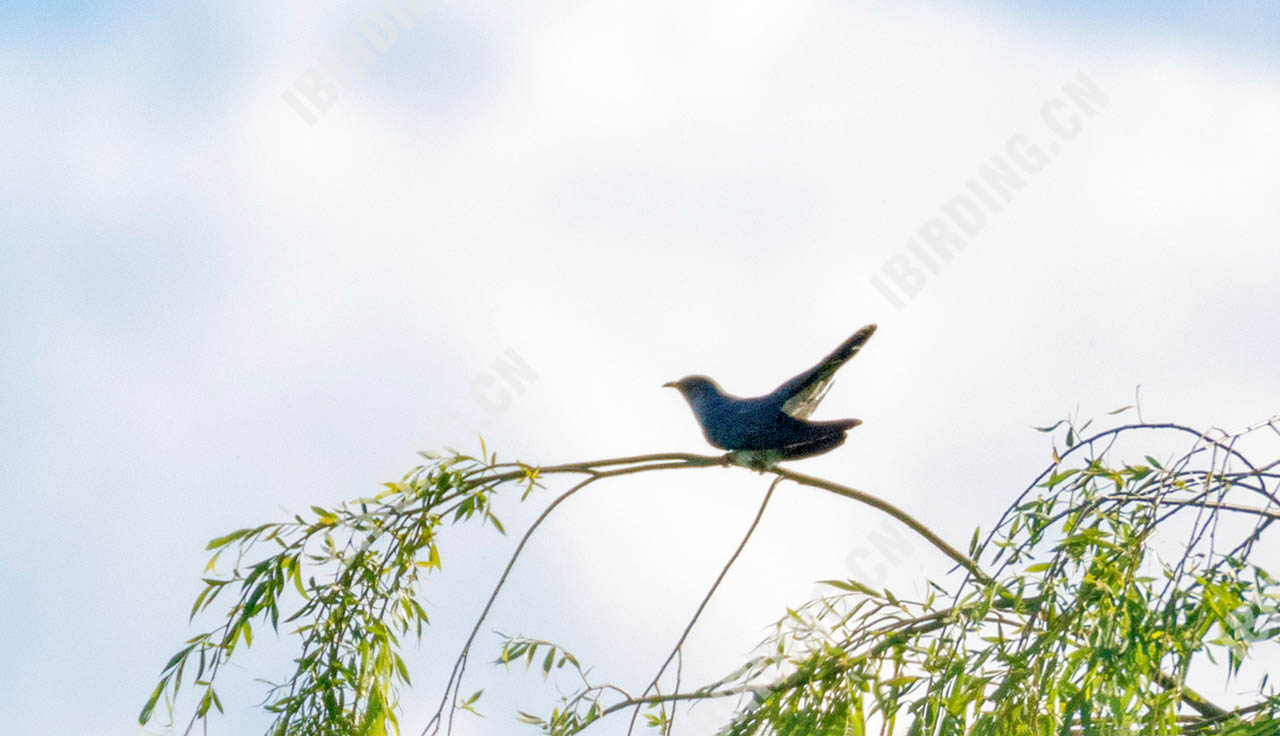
766,429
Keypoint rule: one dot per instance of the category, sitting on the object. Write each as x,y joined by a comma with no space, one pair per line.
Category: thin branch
895,512
638,464
707,598
599,469
1265,513
459,667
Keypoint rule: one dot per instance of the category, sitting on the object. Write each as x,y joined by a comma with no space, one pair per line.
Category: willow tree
1061,619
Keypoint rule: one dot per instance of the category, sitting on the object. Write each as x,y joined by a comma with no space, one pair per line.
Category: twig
459,667
706,599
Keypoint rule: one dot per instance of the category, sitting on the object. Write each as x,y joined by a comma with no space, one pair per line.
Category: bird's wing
802,394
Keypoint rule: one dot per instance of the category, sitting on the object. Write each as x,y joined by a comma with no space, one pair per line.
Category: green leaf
496,524
175,659
225,540
402,670
150,706
1056,478
853,586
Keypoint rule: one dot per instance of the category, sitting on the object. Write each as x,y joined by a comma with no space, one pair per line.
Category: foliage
1083,629
1071,616
355,570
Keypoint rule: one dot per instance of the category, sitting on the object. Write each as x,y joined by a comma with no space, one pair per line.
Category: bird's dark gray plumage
776,425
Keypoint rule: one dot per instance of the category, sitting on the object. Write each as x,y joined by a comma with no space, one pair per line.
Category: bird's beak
670,384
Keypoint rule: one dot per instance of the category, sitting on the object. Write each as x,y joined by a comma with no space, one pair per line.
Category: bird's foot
758,460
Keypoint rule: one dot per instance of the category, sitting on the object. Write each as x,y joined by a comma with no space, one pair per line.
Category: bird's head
694,387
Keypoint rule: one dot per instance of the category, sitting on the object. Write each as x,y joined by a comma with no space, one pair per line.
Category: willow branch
707,599
895,512
610,467
1237,508
599,469
459,666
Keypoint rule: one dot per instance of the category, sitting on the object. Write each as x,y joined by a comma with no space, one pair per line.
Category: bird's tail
814,447
850,347
799,396
843,425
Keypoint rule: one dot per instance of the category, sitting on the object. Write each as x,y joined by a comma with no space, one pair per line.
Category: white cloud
644,191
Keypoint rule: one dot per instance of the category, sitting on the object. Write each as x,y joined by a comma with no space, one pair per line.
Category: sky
216,309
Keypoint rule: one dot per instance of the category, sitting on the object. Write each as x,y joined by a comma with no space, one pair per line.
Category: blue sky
211,312
1232,26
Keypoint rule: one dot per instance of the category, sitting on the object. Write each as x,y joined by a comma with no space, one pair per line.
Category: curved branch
638,464
459,667
895,512
599,469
